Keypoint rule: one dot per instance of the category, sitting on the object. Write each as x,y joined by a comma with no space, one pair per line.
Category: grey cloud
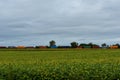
61,20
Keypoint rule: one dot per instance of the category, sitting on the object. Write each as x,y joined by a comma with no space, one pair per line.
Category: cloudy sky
36,22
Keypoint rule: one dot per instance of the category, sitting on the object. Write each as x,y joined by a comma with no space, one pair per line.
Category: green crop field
70,64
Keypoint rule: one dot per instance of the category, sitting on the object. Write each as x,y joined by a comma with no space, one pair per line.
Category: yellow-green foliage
72,64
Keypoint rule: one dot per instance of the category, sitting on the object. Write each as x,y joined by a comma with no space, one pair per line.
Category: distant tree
36,46
104,45
90,44
47,46
52,43
74,44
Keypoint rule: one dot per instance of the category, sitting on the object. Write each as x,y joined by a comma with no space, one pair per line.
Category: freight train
34,47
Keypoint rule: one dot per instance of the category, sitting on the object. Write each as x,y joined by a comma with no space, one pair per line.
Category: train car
64,47
3,47
80,47
95,46
113,47
42,46
11,47
86,46
29,47
53,46
20,47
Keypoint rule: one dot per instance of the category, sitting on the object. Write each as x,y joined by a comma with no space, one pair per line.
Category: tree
74,44
90,44
104,45
52,43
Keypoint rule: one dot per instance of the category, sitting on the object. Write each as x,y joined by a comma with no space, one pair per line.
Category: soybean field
70,64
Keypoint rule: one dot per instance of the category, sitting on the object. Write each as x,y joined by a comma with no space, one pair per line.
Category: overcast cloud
36,22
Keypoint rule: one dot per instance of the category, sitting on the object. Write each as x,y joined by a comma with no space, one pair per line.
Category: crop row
61,71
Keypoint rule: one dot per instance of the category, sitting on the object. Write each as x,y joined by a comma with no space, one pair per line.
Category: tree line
75,44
